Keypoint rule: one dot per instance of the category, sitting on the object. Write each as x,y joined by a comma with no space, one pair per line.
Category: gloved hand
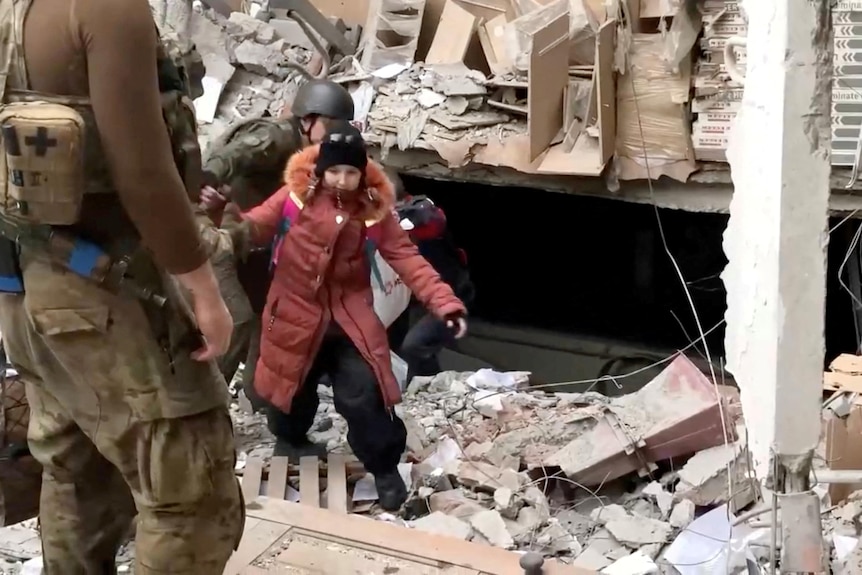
458,324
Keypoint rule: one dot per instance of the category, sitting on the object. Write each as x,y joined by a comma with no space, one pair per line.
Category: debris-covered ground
487,462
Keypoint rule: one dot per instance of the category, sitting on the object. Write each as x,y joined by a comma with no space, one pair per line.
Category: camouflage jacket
251,158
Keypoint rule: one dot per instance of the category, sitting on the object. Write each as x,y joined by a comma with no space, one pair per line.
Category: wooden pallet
273,482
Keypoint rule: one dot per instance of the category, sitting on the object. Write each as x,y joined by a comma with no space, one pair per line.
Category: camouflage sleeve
253,148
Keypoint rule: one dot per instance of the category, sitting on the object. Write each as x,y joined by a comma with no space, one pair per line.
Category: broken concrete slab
244,26
441,524
662,498
491,526
676,414
635,532
682,514
704,478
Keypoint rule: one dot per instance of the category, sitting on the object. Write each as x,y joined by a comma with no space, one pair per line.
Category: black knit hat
342,145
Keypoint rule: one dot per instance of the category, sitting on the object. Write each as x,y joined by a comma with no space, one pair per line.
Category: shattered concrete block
704,481
555,539
479,475
608,513
591,559
506,503
248,27
442,524
576,523
536,499
635,532
262,59
662,498
682,514
604,543
454,503
529,519
490,525
644,508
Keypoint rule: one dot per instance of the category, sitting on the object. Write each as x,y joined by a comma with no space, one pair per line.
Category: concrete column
776,238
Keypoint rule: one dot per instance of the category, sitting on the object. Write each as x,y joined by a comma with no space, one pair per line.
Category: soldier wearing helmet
246,167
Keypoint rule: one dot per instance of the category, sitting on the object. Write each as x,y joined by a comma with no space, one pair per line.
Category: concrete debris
480,443
682,514
440,523
704,480
491,526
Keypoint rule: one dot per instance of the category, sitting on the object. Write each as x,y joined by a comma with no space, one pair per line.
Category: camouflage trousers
245,339
122,426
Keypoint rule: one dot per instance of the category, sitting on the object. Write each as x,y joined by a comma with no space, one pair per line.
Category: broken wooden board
845,374
548,77
589,155
284,537
492,37
453,36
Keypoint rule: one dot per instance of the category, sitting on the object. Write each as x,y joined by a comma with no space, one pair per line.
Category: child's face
342,177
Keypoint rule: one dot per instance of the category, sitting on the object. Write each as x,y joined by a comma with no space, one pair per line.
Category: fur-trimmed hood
377,203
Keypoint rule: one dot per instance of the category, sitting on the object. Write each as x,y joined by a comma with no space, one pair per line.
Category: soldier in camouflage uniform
247,167
128,411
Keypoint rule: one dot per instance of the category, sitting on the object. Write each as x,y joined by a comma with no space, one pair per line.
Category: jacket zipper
272,312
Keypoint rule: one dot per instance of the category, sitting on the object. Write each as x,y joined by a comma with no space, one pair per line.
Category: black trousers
376,435
423,341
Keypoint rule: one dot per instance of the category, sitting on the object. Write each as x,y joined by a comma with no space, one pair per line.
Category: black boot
391,491
298,448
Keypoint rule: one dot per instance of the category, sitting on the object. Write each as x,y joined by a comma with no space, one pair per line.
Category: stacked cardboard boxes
847,81
717,98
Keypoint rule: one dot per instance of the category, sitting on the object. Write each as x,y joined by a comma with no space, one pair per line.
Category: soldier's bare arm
120,41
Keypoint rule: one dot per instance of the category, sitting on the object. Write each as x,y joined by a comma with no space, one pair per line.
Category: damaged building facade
592,446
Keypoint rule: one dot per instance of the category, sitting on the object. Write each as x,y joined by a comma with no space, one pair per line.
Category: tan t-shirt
106,49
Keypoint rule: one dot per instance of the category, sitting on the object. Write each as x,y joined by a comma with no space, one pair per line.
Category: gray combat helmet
323,98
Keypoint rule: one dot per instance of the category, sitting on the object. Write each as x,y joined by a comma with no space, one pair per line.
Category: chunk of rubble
682,514
248,27
455,504
507,503
632,530
555,539
676,414
479,475
703,480
442,524
662,498
491,526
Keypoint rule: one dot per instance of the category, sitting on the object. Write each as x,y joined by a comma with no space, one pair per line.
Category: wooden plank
389,538
453,36
350,560
309,481
607,94
548,77
276,484
259,535
251,478
336,483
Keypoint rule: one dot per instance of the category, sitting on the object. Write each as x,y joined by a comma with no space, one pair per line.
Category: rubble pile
426,106
251,69
479,447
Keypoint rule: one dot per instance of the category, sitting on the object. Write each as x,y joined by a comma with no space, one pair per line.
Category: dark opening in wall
598,266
